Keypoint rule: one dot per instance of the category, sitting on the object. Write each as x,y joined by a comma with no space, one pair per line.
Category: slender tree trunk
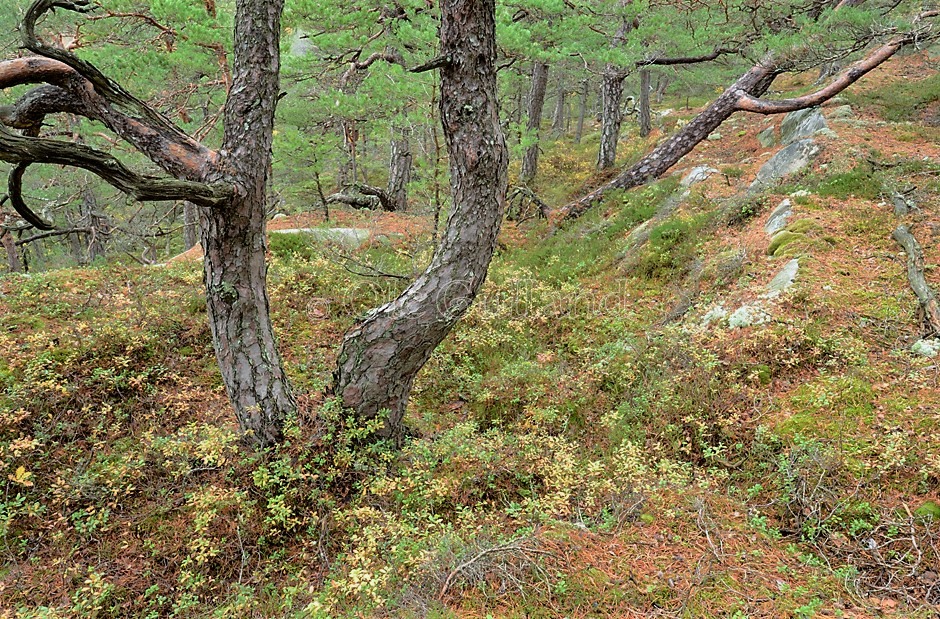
190,224
611,116
558,117
399,170
536,102
661,85
582,111
643,108
233,235
94,246
381,356
13,255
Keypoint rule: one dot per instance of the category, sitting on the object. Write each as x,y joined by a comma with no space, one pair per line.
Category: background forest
700,379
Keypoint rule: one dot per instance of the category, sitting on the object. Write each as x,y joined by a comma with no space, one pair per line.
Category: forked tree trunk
611,116
399,171
233,235
536,101
643,107
380,356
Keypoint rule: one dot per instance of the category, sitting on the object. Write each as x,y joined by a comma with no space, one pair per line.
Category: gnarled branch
15,193
27,150
105,86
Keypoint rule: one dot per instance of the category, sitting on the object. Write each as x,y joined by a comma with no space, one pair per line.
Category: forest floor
593,440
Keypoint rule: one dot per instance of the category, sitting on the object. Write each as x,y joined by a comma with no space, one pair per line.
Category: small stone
697,175
786,276
779,217
842,112
714,137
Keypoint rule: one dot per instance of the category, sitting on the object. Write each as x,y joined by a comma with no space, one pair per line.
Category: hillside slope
607,433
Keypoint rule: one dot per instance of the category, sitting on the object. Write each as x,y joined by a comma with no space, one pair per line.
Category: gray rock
801,124
697,175
714,137
791,159
842,112
779,218
902,206
767,137
352,238
784,278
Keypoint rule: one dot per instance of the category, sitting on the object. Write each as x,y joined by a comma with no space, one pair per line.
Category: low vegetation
577,447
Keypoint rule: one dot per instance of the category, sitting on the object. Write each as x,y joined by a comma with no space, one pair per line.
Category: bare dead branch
664,61
915,275
51,233
436,63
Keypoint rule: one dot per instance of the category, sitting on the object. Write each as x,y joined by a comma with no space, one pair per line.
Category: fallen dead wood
915,275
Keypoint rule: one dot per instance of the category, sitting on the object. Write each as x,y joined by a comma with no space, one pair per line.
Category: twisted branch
27,150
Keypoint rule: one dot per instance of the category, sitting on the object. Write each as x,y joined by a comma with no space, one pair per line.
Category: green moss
670,249
929,509
804,226
781,240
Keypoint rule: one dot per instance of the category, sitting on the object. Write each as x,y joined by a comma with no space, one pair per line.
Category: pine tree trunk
611,116
558,118
582,111
95,222
233,235
661,85
646,125
399,171
13,255
190,225
380,356
536,102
